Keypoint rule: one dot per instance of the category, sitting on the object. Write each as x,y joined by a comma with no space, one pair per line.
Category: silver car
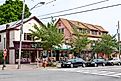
115,61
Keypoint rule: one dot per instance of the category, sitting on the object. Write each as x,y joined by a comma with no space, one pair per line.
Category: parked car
96,62
75,62
115,61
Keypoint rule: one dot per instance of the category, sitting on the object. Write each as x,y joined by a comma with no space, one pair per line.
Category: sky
107,18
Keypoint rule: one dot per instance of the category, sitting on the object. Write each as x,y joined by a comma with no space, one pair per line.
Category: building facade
10,37
93,32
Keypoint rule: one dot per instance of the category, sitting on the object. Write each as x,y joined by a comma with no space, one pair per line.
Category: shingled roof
69,23
18,23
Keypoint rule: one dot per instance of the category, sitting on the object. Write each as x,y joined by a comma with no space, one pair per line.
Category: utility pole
21,32
119,37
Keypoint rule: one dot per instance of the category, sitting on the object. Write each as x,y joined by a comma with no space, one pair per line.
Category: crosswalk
94,72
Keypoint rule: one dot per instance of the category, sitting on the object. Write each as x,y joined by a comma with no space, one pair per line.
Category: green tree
48,35
106,45
80,41
1,57
11,11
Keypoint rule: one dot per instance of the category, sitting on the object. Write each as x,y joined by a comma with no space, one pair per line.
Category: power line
76,7
84,11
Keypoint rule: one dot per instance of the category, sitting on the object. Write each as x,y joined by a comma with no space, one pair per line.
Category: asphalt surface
63,74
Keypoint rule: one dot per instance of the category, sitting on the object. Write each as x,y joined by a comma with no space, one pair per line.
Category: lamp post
4,52
21,32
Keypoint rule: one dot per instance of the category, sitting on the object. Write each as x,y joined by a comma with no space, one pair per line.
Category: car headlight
92,62
68,62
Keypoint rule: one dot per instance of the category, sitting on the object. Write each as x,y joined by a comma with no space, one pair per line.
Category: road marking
95,72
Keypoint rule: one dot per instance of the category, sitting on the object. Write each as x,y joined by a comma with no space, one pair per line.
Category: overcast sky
107,18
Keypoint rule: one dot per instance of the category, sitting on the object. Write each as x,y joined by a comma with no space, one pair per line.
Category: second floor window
61,30
94,32
28,36
0,38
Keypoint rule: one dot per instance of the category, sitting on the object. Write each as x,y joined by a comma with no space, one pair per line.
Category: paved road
63,74
110,71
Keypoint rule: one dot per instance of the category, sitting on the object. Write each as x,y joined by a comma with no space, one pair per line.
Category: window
0,38
59,24
99,33
83,30
28,36
94,32
61,30
88,31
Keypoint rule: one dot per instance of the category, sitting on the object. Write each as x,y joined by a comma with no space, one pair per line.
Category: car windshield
95,60
76,60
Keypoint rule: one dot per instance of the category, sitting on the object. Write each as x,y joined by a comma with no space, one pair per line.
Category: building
66,26
10,37
94,32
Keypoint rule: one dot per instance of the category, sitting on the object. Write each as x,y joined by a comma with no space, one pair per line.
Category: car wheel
103,64
119,63
71,65
95,65
62,65
112,63
83,65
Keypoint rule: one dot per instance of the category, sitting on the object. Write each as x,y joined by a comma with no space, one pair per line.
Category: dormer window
94,32
0,38
99,33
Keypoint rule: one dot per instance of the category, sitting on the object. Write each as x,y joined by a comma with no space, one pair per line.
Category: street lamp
37,5
4,50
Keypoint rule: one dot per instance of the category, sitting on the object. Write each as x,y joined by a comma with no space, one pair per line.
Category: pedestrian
45,63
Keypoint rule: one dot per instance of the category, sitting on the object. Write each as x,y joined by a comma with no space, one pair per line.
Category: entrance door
33,56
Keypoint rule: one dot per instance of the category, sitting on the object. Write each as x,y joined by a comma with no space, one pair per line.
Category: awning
63,47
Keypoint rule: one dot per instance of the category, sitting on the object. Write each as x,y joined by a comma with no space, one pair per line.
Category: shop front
29,53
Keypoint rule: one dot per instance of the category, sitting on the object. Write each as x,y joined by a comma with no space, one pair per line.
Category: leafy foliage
80,41
1,56
106,45
11,11
48,35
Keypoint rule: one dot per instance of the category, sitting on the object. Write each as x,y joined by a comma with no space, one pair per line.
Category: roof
90,26
67,24
100,28
70,23
18,23
78,24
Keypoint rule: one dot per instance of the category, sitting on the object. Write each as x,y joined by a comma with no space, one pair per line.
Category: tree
106,45
1,57
48,35
11,11
80,41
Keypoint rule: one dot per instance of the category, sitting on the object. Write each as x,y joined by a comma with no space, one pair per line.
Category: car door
79,61
100,61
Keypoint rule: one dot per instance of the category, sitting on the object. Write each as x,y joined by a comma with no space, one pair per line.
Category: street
108,73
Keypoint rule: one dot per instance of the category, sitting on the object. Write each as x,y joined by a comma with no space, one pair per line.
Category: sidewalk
23,67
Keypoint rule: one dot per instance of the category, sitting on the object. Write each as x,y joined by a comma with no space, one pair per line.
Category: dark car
75,62
97,62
